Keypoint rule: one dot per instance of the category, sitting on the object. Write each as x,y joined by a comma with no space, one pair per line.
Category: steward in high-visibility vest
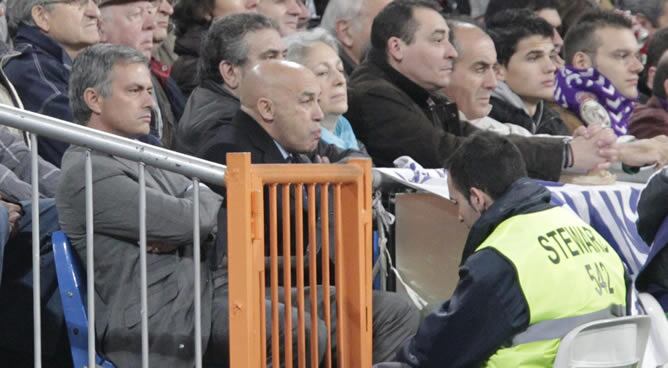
530,272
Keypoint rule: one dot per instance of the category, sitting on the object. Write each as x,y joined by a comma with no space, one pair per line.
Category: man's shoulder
229,137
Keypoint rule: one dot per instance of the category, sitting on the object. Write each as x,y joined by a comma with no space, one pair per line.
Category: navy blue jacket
487,308
41,76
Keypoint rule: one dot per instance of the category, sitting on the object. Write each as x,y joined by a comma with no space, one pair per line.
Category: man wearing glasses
49,36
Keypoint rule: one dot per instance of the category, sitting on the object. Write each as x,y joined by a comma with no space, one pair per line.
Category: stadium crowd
499,92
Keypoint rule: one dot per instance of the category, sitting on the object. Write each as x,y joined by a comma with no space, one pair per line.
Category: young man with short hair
525,52
600,80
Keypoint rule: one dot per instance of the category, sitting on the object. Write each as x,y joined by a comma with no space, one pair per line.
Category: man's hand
643,152
594,148
321,159
15,213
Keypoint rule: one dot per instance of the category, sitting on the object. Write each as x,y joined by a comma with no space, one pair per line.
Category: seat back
612,343
659,329
72,288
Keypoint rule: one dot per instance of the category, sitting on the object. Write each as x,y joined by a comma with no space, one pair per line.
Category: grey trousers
395,319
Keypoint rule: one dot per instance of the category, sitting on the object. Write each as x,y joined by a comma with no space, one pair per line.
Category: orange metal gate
348,188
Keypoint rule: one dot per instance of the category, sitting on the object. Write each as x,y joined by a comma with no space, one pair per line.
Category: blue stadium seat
72,287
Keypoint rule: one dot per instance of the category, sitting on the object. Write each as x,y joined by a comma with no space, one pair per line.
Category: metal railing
347,186
143,154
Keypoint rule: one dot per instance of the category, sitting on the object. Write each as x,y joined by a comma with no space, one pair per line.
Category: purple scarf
581,90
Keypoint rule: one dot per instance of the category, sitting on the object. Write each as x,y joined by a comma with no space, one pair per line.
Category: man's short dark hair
507,28
226,40
659,78
487,161
497,6
191,13
581,36
396,20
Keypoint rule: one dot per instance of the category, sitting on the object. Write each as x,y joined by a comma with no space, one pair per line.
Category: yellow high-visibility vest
568,274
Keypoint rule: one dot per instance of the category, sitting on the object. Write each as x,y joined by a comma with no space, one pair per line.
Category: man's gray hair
650,9
92,69
340,10
299,43
226,40
20,11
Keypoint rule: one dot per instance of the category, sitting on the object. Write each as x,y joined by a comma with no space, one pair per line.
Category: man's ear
265,107
231,75
582,60
93,100
478,199
40,16
665,85
343,33
501,72
395,48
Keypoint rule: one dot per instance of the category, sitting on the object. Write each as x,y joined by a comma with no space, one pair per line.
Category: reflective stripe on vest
565,269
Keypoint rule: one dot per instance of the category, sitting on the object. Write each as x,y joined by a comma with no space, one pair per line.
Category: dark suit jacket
169,208
244,134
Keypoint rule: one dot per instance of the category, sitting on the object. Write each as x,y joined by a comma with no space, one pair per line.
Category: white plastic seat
659,329
609,343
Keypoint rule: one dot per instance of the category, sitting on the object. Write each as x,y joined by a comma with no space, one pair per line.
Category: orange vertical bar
324,215
273,252
242,276
257,208
287,267
299,249
356,250
342,322
313,268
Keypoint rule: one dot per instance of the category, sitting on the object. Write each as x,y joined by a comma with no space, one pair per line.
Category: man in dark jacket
526,55
49,36
279,122
233,45
651,119
526,264
394,108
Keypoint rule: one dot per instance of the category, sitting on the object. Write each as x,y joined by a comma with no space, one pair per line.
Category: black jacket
208,108
487,308
393,117
184,70
652,211
544,121
244,134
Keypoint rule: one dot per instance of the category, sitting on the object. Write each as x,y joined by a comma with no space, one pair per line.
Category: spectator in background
651,119
233,45
652,15
349,21
192,19
570,11
286,13
163,40
600,81
133,23
525,52
656,49
16,277
49,35
396,108
474,79
317,50
546,9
